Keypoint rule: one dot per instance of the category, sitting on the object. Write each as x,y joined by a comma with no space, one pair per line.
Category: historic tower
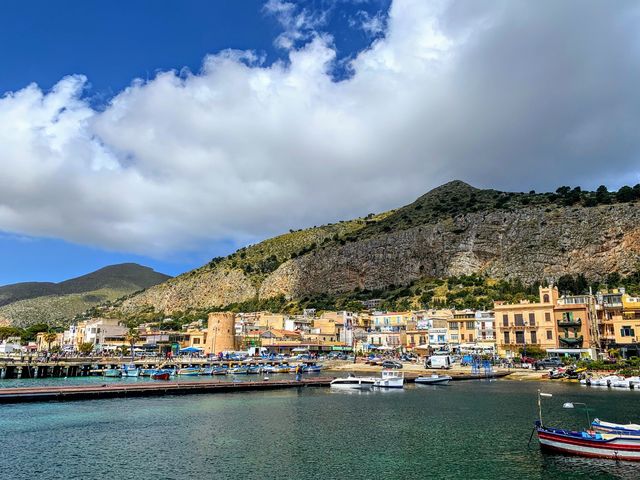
220,333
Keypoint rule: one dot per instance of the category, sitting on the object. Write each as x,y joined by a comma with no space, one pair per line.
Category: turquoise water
470,430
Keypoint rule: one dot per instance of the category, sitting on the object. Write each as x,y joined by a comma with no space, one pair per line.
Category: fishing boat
254,369
282,369
147,372
160,375
433,379
220,371
207,371
239,370
585,443
353,383
312,368
269,369
620,428
112,372
189,371
130,370
389,379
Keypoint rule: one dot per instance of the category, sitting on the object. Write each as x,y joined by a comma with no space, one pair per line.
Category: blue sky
168,133
112,43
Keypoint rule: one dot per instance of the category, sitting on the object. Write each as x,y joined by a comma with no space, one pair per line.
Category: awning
190,350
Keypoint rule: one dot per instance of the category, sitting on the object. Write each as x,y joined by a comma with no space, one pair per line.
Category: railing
570,323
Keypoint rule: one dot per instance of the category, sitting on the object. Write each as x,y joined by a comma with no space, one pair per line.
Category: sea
467,430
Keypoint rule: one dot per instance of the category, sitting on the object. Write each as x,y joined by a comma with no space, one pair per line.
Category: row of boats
612,381
166,373
388,379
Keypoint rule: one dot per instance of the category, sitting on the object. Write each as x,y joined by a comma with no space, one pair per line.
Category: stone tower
220,333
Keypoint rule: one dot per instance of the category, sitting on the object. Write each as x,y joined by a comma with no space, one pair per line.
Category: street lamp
570,405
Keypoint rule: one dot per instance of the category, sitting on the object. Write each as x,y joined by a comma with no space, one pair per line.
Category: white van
438,361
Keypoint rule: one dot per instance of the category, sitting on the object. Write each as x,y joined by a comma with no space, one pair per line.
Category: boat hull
616,448
161,376
433,380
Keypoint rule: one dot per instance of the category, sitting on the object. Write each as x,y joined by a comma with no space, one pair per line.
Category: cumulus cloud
508,94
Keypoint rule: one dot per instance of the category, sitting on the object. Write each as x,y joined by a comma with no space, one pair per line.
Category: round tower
221,332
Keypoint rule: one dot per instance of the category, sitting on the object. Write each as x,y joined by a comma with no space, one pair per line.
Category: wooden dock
145,389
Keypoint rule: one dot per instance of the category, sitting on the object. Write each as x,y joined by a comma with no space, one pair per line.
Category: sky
168,133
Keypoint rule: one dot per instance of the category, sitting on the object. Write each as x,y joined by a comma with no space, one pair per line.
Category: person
298,373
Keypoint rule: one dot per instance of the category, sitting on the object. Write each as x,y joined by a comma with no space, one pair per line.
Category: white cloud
513,94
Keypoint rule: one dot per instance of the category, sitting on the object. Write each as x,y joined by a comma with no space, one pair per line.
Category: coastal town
588,326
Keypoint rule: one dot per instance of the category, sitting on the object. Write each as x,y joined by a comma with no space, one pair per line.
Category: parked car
391,364
546,363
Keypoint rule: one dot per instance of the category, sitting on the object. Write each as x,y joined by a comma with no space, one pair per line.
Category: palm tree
132,337
49,337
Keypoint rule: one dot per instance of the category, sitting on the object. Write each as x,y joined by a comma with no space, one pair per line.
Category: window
545,298
453,325
506,337
519,337
627,331
532,319
196,341
505,320
547,316
519,319
534,337
549,335
471,337
470,325
454,337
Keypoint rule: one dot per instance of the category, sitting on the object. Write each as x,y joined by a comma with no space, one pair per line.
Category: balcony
570,323
571,342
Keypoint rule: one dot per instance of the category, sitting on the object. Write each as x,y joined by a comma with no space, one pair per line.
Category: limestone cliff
455,229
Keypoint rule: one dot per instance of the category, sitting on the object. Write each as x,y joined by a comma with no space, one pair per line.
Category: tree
602,194
132,336
49,337
625,194
85,348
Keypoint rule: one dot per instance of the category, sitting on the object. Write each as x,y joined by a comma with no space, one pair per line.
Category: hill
453,230
32,302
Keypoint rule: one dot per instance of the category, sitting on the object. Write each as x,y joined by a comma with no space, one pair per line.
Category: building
526,323
390,321
103,333
221,333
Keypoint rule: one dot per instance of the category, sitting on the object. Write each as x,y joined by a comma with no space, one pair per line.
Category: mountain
454,229
31,302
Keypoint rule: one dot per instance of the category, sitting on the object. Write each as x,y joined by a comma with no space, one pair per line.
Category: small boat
207,371
433,380
219,371
630,382
189,371
254,369
268,369
239,371
353,383
112,372
147,372
390,379
603,381
312,368
130,371
282,369
620,428
160,375
589,443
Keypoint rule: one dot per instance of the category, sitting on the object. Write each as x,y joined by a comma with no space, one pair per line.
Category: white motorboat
390,379
433,380
353,383
130,371
604,381
630,382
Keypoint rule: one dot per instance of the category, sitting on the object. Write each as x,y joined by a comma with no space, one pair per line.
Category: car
391,364
548,363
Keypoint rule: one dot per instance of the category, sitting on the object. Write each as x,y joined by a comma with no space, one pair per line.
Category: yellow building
462,327
526,323
390,320
626,328
267,321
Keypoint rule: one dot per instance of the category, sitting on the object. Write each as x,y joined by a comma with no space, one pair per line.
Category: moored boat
130,370
112,372
220,371
610,427
189,371
239,371
160,375
433,379
353,383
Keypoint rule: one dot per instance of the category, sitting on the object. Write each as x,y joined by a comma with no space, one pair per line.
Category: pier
146,389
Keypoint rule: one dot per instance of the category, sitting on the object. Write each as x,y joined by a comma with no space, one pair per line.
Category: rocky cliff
455,229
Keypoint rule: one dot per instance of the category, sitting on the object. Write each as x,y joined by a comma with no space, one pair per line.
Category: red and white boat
589,443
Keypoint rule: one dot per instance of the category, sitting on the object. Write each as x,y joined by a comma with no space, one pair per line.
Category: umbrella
190,350
299,349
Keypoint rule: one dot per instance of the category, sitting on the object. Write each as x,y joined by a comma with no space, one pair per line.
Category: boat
585,443
630,382
189,371
254,369
130,371
282,369
112,372
620,428
390,379
353,383
239,370
433,379
312,368
207,371
160,375
601,381
220,371
147,372
589,443
269,369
